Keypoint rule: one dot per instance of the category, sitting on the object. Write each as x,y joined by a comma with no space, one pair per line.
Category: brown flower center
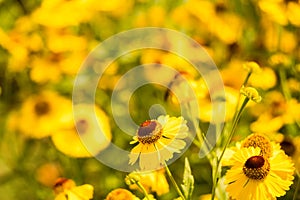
261,141
81,126
41,108
256,167
149,132
288,147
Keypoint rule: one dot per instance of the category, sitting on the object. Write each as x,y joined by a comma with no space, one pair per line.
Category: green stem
143,190
174,182
247,78
284,87
217,170
297,186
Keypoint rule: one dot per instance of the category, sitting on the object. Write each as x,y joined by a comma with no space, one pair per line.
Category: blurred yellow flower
48,173
205,106
234,67
154,181
41,67
255,177
206,197
274,10
275,112
293,13
286,42
67,13
157,141
280,59
43,114
252,67
120,194
153,16
83,138
66,189
291,147
266,79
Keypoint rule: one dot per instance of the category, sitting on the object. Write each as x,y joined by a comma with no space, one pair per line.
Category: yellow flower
292,148
205,106
84,139
153,16
157,141
121,194
43,114
252,67
66,189
48,173
206,197
274,10
293,13
265,80
276,112
255,177
154,181
67,13
251,93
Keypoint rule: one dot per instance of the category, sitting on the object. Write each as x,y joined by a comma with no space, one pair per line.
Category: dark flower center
256,167
149,132
82,125
255,162
288,147
41,108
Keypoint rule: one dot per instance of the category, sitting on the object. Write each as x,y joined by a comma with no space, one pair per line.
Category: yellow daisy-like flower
43,114
255,177
66,189
157,141
292,148
84,138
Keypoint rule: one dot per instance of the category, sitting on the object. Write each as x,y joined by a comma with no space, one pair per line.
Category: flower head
154,181
252,67
253,176
120,194
66,189
157,141
292,148
261,141
43,114
251,93
84,138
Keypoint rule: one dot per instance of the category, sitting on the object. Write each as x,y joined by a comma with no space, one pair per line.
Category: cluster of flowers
43,44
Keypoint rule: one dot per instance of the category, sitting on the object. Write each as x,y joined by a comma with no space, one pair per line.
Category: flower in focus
66,189
43,114
251,93
157,141
120,194
84,138
254,176
154,181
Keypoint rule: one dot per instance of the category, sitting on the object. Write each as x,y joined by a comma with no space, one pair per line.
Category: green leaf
188,181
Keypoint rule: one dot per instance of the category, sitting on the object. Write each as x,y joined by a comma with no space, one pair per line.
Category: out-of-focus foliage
44,43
